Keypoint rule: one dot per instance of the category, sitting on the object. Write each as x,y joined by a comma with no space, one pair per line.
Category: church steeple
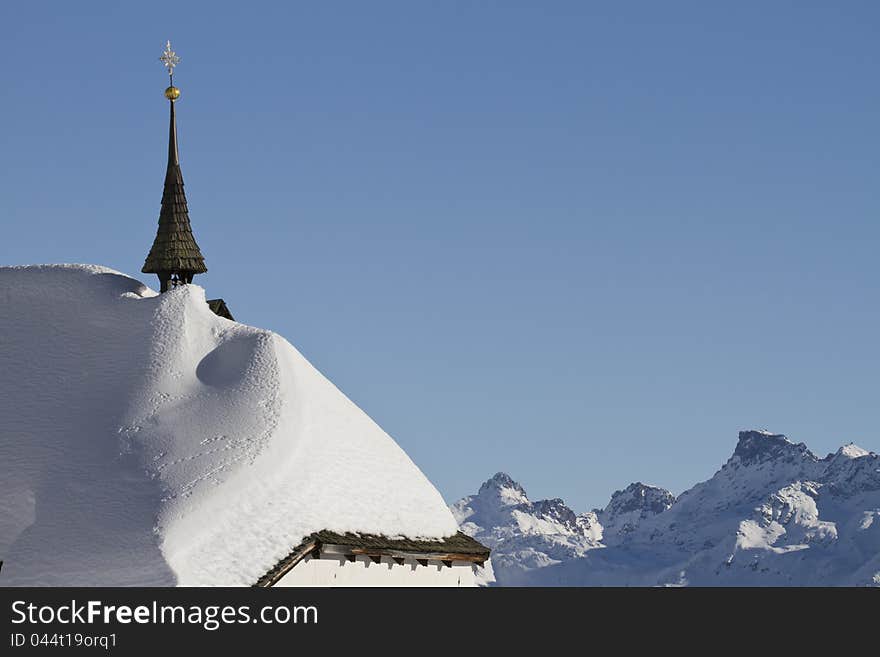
174,257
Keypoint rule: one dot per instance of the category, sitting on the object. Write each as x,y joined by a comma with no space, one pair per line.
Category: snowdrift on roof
146,441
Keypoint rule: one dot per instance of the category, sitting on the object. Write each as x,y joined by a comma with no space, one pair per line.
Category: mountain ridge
773,514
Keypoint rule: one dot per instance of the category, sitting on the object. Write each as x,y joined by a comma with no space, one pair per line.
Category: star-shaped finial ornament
169,58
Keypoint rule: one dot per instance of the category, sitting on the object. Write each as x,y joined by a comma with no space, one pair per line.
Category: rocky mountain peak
758,446
637,497
629,507
852,470
556,510
851,451
499,481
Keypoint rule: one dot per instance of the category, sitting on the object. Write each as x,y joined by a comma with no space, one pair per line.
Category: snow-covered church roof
146,441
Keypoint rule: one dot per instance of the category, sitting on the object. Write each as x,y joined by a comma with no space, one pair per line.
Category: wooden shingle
174,250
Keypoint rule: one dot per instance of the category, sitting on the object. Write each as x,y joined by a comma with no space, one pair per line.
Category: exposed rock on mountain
774,514
524,535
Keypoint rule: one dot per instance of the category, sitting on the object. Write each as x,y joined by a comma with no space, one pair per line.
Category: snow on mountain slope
774,514
628,508
522,534
144,440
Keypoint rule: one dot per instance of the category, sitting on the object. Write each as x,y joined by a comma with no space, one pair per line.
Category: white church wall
338,571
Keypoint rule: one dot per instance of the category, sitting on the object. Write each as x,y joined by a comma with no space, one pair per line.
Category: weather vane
170,59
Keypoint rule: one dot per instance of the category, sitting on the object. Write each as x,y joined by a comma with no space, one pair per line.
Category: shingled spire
175,257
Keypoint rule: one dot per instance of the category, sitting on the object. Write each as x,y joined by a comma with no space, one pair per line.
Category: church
337,556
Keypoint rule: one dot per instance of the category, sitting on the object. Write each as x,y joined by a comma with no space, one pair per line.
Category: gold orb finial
170,59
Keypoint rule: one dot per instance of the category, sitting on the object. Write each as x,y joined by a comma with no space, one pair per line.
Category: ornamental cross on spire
169,59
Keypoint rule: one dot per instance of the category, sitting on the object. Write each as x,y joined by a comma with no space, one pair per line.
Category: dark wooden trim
271,578
219,308
334,545
418,556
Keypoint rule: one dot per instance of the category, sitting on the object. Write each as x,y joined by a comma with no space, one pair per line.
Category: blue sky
584,243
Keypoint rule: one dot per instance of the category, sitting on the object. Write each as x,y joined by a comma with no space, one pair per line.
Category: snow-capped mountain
524,535
630,506
774,514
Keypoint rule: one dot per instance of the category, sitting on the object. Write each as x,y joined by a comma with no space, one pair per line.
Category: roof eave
313,544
